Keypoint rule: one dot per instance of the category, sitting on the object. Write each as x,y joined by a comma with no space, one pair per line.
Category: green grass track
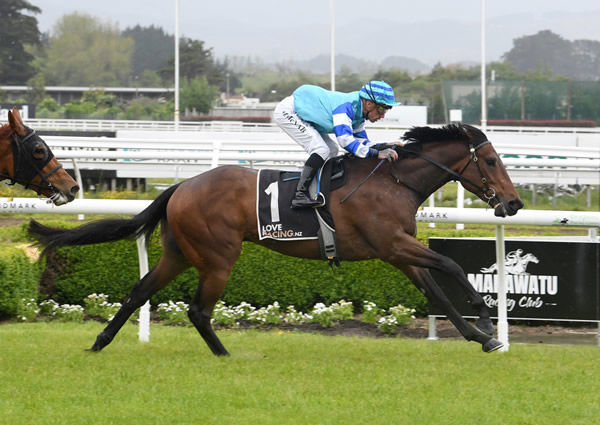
274,377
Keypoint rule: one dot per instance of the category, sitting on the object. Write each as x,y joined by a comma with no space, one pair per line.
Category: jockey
311,113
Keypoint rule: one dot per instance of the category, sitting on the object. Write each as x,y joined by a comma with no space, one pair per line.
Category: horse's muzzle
60,198
508,208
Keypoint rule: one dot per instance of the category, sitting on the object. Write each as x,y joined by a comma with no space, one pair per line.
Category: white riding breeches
303,132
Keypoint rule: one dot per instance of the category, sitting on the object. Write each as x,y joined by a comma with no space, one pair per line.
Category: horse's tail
107,230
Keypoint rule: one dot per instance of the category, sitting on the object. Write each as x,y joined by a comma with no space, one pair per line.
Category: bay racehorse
26,159
205,219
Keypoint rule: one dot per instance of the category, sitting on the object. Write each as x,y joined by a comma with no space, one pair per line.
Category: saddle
277,220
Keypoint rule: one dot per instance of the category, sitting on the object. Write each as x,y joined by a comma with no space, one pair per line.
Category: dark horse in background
26,159
205,219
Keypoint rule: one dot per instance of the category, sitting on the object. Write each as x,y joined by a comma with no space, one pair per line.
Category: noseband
487,191
26,168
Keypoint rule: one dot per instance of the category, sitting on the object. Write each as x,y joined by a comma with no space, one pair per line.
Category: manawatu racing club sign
544,279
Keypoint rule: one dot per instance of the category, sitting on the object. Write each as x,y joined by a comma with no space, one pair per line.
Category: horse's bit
26,168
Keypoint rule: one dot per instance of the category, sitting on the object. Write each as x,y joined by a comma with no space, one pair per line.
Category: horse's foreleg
414,253
449,266
413,258
156,279
424,281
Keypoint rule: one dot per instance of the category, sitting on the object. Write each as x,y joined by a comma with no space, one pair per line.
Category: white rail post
432,205
215,154
460,202
80,182
502,314
432,329
144,332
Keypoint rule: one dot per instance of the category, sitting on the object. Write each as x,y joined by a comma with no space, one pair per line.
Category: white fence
113,125
439,215
448,215
184,155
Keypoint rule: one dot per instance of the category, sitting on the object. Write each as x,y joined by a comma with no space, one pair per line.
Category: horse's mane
463,132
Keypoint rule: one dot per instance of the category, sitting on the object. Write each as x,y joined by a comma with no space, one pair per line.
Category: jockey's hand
389,154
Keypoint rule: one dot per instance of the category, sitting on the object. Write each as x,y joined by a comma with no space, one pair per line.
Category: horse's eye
490,161
39,152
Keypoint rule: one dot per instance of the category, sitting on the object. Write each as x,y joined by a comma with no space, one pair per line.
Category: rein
487,191
363,180
23,164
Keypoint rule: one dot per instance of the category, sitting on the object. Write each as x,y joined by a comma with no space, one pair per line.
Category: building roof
83,89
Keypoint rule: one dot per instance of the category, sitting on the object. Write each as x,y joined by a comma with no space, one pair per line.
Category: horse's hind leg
166,270
213,250
210,289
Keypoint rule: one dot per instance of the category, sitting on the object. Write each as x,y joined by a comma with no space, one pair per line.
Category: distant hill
320,64
407,64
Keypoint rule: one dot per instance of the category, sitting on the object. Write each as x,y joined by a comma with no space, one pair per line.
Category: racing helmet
379,92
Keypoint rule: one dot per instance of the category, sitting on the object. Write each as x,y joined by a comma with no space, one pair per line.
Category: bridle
487,191
26,168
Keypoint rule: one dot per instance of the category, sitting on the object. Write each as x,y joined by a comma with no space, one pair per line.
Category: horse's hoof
485,326
102,340
491,345
93,349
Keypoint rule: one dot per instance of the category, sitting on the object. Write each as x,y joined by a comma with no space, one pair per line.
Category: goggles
382,109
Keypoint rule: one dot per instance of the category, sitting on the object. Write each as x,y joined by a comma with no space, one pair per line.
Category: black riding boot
302,198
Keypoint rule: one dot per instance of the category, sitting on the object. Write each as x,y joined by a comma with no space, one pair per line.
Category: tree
195,61
348,81
37,89
197,94
532,51
585,101
149,79
152,49
17,30
579,60
85,51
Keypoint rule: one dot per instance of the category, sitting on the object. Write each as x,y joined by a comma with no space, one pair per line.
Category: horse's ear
474,133
16,123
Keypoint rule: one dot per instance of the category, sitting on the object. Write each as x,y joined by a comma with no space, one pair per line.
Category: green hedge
110,268
19,279
259,277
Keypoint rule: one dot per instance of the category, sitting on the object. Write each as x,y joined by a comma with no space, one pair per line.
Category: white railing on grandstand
113,125
192,153
447,215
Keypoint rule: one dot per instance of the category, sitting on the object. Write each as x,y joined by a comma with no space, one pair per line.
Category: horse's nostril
74,190
515,204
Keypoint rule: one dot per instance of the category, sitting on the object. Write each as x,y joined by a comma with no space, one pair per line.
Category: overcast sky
432,31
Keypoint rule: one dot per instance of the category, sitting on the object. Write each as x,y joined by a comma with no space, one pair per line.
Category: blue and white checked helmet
379,92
